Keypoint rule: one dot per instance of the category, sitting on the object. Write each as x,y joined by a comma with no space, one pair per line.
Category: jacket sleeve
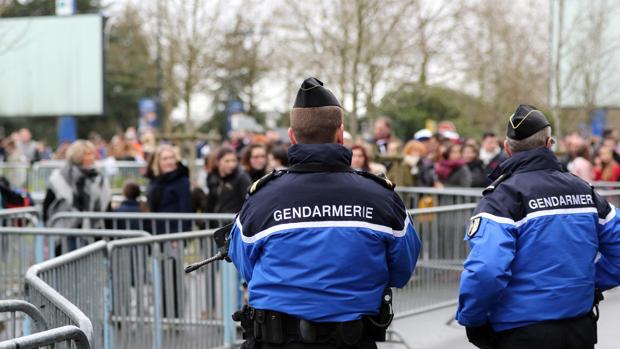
608,265
243,254
403,250
487,269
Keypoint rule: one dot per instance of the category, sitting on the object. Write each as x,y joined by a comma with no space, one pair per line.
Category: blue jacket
534,242
322,246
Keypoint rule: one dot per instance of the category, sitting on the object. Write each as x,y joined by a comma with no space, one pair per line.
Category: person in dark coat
228,184
169,189
491,154
476,167
452,170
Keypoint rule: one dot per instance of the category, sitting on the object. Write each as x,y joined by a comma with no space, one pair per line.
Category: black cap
312,94
525,121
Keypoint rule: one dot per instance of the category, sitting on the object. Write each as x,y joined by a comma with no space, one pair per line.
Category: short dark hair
316,125
488,135
280,153
608,133
131,190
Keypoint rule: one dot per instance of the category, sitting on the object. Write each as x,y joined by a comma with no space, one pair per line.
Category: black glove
482,336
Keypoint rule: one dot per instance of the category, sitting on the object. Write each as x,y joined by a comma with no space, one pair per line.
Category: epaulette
262,181
379,179
495,183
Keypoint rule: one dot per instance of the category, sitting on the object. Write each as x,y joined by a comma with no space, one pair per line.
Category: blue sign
67,129
599,120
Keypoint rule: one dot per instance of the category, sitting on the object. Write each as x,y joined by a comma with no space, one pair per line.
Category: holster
378,324
595,312
482,337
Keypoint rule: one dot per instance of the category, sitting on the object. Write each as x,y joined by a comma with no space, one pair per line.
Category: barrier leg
108,335
230,289
157,301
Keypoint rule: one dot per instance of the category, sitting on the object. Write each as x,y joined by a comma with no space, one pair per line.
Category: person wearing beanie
530,278
320,243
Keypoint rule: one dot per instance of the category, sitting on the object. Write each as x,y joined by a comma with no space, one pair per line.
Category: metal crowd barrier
79,276
22,247
117,172
65,336
158,306
13,306
20,217
132,293
424,197
435,282
612,195
16,173
155,223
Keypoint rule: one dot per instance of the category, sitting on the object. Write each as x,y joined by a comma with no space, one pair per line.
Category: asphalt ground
432,330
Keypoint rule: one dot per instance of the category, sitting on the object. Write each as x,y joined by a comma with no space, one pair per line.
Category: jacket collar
531,160
326,154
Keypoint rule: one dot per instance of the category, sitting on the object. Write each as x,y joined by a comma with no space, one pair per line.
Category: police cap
312,94
525,121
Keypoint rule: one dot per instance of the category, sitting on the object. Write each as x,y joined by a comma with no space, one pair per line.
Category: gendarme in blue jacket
322,246
534,243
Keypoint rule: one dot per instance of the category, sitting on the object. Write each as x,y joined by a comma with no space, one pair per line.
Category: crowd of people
430,159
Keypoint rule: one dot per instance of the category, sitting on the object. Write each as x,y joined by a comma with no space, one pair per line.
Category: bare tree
505,56
188,38
354,43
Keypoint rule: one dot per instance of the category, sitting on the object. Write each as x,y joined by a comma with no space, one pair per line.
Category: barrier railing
20,217
435,281
171,309
423,197
13,307
135,293
22,247
16,173
63,286
612,195
65,336
117,172
156,223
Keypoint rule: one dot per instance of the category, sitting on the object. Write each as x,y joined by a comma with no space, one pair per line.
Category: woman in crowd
359,160
254,160
606,168
580,165
475,165
77,186
451,169
169,188
227,182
